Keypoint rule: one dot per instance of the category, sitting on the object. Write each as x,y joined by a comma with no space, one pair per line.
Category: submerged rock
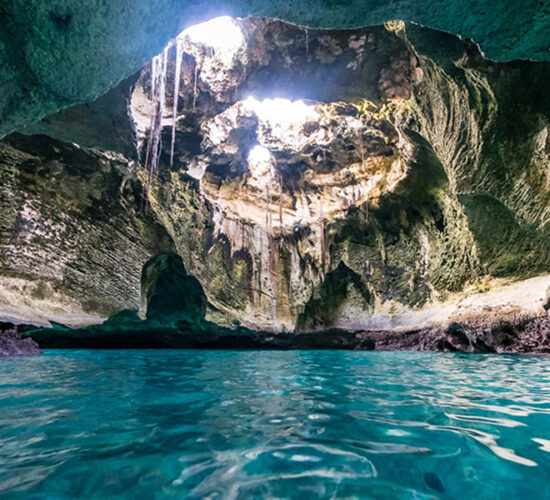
433,481
525,336
183,335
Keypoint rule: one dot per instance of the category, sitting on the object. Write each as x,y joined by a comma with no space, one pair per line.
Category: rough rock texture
56,55
13,344
170,293
410,182
73,235
527,336
409,187
105,124
274,173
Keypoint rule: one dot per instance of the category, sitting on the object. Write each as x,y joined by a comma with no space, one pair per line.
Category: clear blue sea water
268,424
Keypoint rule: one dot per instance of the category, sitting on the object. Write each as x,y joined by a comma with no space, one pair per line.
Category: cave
280,249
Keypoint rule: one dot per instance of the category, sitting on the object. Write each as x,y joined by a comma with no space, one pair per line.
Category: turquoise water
269,424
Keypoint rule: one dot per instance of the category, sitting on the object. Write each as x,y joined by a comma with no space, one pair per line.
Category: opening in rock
168,293
258,187
271,156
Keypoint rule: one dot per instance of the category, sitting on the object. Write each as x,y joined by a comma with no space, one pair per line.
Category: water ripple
208,424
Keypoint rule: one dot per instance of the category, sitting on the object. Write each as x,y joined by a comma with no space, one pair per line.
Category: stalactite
281,203
158,91
158,95
306,31
177,79
195,87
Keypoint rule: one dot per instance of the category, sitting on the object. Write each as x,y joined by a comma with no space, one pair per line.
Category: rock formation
384,179
53,56
13,344
377,202
74,237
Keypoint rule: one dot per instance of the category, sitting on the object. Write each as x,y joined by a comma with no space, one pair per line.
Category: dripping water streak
195,87
268,219
160,111
158,91
154,66
177,78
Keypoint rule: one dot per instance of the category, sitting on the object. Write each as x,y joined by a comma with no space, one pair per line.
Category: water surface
271,424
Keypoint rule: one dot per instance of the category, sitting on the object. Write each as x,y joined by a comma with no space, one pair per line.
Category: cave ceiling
54,55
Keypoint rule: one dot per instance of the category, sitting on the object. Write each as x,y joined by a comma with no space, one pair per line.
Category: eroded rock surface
73,234
12,343
401,180
56,55
386,178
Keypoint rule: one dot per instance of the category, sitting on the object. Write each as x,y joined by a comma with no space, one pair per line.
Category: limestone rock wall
400,183
375,178
73,237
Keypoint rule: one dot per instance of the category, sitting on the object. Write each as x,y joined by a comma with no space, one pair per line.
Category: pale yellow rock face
270,169
387,177
330,211
268,203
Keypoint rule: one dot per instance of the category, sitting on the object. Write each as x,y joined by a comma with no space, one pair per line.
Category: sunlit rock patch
381,178
305,165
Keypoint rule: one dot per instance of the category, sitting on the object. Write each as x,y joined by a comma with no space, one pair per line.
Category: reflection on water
301,424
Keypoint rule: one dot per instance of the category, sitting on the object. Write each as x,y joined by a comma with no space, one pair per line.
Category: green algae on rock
381,178
56,56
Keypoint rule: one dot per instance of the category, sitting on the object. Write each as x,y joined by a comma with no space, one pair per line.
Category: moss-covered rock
170,293
413,177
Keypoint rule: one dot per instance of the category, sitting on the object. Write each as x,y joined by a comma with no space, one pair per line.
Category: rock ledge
13,344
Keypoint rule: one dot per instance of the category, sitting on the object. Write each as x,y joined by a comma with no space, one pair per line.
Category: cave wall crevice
410,177
71,52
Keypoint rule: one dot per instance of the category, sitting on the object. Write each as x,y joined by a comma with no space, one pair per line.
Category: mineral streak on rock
387,178
57,55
